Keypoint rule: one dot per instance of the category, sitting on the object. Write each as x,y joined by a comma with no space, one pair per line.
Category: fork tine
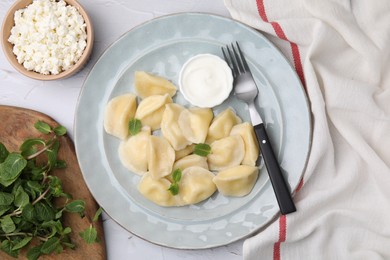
228,61
235,59
243,60
236,70
238,58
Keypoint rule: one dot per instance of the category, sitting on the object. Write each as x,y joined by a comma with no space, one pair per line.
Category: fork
245,89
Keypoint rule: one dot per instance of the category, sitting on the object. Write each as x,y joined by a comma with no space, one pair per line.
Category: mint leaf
3,152
176,175
50,245
29,145
28,212
202,149
52,155
21,197
6,246
60,164
59,130
134,126
42,127
7,224
4,209
66,231
89,235
43,211
34,253
76,206
11,168
174,188
6,198
22,243
97,214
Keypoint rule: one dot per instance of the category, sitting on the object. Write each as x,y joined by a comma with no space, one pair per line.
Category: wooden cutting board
17,124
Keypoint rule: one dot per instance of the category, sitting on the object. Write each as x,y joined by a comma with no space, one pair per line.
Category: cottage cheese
49,36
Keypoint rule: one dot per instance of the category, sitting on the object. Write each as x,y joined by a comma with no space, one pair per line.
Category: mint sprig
176,177
202,149
134,126
27,193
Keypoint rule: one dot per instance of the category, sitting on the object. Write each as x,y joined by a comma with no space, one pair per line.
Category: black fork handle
283,195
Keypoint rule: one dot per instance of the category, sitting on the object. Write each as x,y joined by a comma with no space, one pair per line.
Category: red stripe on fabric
282,236
261,10
294,49
299,186
280,33
299,69
297,63
278,30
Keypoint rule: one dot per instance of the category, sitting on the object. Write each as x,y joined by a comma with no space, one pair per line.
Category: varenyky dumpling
170,126
236,181
151,109
191,160
161,157
222,125
247,133
184,152
194,123
118,113
196,185
133,152
156,190
226,152
147,85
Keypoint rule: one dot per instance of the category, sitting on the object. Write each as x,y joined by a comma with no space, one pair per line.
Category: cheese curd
48,36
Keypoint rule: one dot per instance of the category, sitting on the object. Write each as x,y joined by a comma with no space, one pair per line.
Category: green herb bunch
29,218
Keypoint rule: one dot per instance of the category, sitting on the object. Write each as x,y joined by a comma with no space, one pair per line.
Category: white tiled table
111,19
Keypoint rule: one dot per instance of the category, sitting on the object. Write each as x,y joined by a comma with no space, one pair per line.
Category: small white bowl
8,23
205,80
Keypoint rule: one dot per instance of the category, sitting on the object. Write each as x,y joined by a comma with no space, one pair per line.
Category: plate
161,46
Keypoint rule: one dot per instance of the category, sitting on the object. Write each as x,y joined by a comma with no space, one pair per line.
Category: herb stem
15,213
23,234
16,234
32,156
41,196
44,173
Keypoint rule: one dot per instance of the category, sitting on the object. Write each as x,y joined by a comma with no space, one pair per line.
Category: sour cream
205,80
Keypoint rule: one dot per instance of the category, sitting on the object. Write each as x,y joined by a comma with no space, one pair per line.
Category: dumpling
133,152
118,113
247,133
191,160
236,181
194,123
170,126
196,185
226,152
161,157
184,152
156,190
222,125
151,109
147,85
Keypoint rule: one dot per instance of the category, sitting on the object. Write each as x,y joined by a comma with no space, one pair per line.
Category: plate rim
294,74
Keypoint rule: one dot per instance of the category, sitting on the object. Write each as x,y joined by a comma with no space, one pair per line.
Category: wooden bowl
8,23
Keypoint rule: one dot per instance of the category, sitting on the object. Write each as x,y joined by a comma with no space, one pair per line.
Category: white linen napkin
340,50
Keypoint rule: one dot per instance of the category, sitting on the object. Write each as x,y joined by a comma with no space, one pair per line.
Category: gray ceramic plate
161,46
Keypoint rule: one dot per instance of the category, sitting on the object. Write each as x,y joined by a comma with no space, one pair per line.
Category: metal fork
246,90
